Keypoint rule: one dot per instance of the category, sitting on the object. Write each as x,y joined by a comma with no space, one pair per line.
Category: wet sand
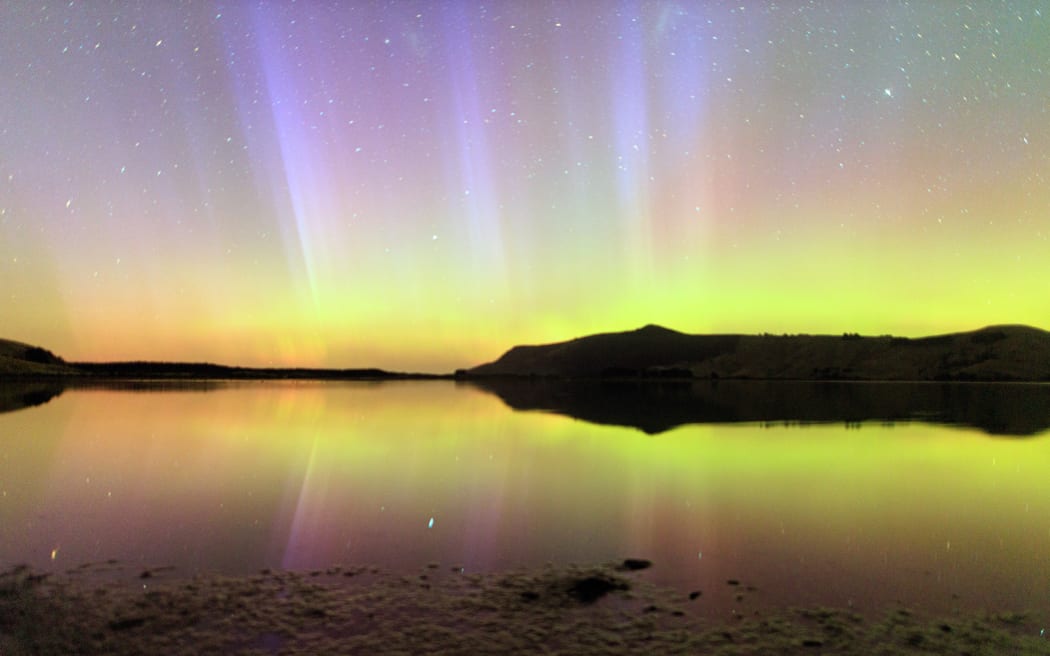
108,608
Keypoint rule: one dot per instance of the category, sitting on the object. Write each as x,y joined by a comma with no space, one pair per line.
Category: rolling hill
995,353
18,360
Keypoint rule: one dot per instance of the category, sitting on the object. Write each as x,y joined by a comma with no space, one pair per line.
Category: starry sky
420,185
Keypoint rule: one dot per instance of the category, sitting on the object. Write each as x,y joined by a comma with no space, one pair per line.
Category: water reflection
16,395
996,408
22,395
402,474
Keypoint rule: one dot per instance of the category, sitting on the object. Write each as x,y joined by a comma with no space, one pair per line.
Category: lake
865,504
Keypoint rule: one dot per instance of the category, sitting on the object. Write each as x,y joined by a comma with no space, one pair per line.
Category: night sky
420,185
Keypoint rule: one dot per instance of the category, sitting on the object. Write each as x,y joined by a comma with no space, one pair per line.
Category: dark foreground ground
105,609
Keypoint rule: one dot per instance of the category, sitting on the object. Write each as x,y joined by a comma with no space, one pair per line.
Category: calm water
399,475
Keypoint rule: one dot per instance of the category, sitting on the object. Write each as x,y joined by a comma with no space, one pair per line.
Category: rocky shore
107,608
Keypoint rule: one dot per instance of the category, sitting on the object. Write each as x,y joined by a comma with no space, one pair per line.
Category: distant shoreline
80,373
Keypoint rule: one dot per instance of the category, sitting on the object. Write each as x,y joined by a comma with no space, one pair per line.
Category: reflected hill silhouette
16,396
20,395
657,406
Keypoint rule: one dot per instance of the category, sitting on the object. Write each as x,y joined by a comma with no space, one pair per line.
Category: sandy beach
107,608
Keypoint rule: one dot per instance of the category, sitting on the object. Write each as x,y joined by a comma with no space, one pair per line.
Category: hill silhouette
23,360
995,353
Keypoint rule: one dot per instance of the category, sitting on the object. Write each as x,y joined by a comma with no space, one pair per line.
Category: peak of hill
994,353
654,330
607,353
